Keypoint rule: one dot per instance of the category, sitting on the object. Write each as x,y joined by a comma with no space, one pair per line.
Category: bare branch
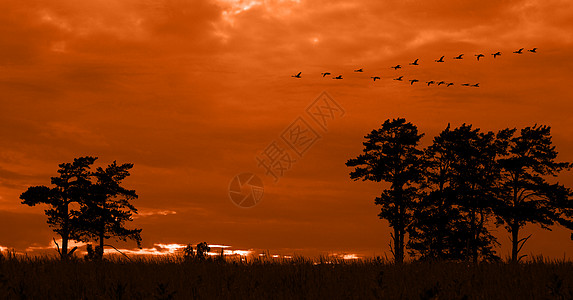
522,241
58,247
73,250
119,251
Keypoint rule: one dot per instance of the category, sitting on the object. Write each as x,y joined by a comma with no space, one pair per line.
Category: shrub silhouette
202,249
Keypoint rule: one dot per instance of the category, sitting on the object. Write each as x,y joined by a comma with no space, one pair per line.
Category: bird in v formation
416,63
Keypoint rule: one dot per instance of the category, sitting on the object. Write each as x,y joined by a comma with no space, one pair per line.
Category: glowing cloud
350,256
146,213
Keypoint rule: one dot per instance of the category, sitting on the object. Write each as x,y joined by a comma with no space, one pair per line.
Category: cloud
154,212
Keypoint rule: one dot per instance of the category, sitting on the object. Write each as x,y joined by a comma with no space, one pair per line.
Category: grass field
24,277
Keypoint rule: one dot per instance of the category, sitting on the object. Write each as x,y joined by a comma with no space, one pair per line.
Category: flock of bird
416,63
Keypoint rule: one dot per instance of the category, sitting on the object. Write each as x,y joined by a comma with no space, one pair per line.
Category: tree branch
57,247
522,241
119,251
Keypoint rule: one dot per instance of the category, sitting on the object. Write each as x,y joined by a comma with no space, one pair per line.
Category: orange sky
191,91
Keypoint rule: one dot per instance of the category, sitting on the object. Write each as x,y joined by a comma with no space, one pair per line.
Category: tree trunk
473,240
398,246
101,241
515,225
402,234
64,253
400,231
439,245
514,242
65,235
102,228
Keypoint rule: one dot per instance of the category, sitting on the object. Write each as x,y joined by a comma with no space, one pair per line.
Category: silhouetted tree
202,249
71,187
437,231
188,253
391,155
526,197
451,219
91,254
108,207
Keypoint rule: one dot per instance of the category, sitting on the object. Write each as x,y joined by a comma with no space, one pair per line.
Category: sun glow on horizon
157,249
174,249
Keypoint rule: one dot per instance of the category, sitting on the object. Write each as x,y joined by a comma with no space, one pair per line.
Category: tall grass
172,277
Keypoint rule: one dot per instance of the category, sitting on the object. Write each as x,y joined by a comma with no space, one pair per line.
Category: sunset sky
192,91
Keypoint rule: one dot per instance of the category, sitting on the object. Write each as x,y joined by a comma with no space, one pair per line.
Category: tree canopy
70,187
447,197
85,205
391,155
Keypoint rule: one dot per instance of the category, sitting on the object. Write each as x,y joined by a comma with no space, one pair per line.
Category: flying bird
459,56
441,82
338,77
375,77
479,55
358,70
396,67
430,82
415,63
413,81
325,73
534,50
520,51
465,84
475,85
496,54
449,84
297,75
440,60
399,78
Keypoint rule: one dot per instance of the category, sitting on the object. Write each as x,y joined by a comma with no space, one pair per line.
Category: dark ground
298,278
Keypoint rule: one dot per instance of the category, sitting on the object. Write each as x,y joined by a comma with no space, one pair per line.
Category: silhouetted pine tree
451,220
437,229
108,207
391,155
71,187
526,197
